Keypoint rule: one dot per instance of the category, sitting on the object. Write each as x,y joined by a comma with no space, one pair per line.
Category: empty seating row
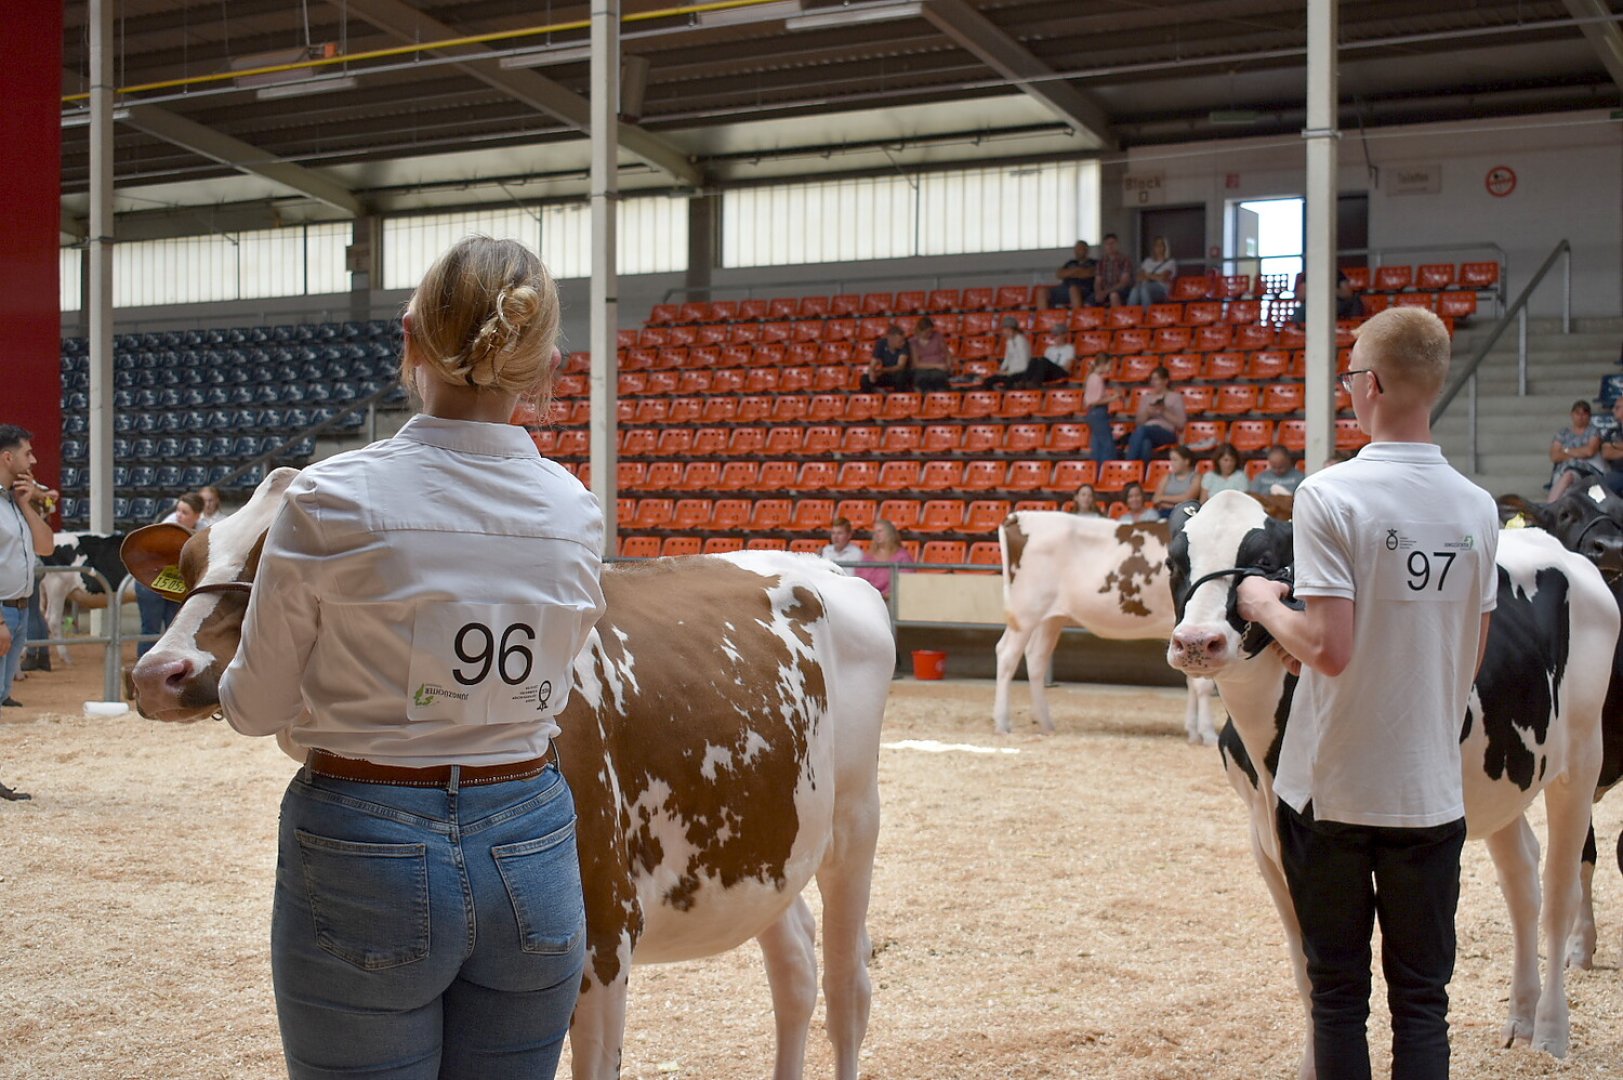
1432,277
225,359
197,449
814,515
184,422
287,334
923,553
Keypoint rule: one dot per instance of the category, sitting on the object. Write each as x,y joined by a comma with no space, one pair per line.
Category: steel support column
1320,241
99,300
604,96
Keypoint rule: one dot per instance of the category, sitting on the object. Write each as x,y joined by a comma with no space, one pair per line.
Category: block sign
1414,180
1500,181
1144,188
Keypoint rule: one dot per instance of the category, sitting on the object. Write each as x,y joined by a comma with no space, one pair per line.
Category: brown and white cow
722,741
1532,726
1105,576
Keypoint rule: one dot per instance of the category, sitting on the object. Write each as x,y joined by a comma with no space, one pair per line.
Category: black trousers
1342,878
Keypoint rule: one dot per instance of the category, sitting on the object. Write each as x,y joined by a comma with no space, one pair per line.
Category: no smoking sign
1500,181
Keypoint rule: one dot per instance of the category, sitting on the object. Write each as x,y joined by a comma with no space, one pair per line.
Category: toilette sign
1414,180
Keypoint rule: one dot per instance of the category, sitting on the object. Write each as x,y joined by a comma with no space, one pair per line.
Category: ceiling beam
537,91
1604,37
75,227
217,146
1005,55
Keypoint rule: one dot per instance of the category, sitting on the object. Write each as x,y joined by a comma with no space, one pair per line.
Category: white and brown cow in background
1105,576
1532,725
722,742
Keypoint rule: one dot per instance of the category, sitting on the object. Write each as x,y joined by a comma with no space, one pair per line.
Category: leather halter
1255,637
219,587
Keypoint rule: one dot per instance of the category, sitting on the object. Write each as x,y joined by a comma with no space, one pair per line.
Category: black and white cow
93,551
1590,522
1532,725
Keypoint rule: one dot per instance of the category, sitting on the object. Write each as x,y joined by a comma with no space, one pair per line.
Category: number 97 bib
1434,562
489,663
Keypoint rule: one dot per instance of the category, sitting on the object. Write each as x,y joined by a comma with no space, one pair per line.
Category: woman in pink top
886,547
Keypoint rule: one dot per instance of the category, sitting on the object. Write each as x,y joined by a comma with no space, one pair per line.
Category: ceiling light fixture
552,54
754,13
307,86
833,18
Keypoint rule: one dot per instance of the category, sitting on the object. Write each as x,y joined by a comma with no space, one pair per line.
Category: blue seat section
192,406
1611,388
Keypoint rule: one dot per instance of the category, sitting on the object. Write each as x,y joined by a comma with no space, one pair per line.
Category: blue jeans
426,933
17,623
156,615
1342,878
1100,440
1147,439
1146,293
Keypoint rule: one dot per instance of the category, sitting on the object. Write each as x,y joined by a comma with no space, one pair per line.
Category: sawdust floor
1086,907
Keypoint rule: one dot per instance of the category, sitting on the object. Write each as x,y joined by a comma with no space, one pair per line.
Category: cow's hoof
1580,954
1555,1044
1516,1030
1000,729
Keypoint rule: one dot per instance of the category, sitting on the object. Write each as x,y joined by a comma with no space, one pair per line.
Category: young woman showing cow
428,917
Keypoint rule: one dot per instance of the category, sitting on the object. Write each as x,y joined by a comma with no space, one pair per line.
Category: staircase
1514,433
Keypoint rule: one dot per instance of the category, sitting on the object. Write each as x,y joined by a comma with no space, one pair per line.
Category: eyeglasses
1345,378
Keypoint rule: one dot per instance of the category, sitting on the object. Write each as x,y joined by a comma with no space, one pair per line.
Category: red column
31,192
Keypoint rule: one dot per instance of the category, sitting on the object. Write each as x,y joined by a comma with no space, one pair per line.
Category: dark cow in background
722,742
1589,521
93,551
1533,725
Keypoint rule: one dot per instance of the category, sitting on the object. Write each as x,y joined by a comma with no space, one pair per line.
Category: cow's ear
1536,512
1181,515
152,556
1278,507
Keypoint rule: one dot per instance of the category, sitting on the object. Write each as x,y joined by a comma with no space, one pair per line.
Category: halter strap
219,587
1255,637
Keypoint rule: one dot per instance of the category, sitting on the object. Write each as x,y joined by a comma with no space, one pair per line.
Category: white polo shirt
421,601
1412,543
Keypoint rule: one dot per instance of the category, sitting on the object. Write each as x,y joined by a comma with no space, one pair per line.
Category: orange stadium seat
1052,320
664,475
1091,342
790,408
631,475
943,300
982,439
1020,403
770,515
1024,438
872,328
700,476
902,513
653,514
1393,278
1172,339
817,476
727,382
680,545
1434,276
1348,435
778,476
739,475
1251,436
755,308
782,307
1357,277
1196,399
639,547
754,409
978,348
1292,435
1282,397
1164,315
839,330
939,405
792,380
1072,473
784,440
1131,339
663,314
638,442
674,442
720,545
1479,275
986,553
861,439
1204,434
1268,365
1456,304
857,476
899,475
730,515
1014,296
941,476
861,407
941,515
901,439
1067,438
1233,400
1203,313
833,377
979,403
1241,312
942,439
1181,367
1029,475
1221,367
900,406
821,441
944,552
1116,475
861,513
845,304
979,299
806,545
1416,299
908,302
1121,318
985,515
1191,288
1044,505
1061,402
1236,286
1089,318
824,407
719,410
691,514
812,515
984,475
1134,369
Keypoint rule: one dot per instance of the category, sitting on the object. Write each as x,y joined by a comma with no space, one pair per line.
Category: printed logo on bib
1426,561
489,663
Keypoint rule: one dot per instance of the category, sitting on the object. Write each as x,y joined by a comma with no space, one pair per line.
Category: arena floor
1083,906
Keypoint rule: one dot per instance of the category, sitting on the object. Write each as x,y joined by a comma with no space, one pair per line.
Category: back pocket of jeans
543,883
369,901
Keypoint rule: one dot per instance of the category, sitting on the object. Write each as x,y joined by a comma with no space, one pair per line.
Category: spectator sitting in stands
890,368
840,549
158,611
931,359
212,514
1280,477
1075,286
1155,276
1226,475
1575,450
885,547
1138,507
1160,419
1054,365
1349,305
1016,367
1179,485
1086,503
1113,275
1612,452
1338,456
1097,398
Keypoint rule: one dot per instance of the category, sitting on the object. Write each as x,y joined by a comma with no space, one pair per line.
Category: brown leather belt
322,763
20,602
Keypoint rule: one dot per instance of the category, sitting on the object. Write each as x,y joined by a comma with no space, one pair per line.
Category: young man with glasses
1394,558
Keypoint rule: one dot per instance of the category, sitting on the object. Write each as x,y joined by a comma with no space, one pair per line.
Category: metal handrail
369,403
112,641
1467,377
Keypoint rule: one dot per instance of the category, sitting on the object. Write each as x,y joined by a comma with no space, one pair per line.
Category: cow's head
179,678
1587,520
1232,531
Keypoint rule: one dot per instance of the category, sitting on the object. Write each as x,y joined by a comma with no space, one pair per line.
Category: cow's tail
1009,537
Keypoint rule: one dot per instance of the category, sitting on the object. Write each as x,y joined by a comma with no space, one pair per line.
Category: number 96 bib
489,663
1426,561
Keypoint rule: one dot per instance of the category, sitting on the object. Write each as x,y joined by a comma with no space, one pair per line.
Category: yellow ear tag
169,581
1517,522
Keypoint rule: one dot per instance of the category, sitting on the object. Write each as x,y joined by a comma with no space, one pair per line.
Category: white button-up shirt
421,601
17,556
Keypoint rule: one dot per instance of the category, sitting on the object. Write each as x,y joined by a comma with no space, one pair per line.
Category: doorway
1185,230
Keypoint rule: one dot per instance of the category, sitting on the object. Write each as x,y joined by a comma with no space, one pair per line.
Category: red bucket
929,664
